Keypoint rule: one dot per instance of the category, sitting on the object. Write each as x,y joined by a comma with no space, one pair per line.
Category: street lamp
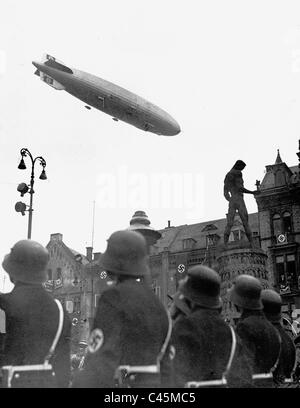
23,188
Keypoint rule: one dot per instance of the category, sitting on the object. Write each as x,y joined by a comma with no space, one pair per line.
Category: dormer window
212,239
188,243
236,235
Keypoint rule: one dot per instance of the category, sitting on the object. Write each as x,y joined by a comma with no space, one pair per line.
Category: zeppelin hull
107,97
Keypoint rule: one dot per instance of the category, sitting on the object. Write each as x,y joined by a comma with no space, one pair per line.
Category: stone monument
238,257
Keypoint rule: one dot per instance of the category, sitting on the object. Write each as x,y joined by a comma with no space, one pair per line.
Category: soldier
131,324
32,314
257,333
233,192
202,340
272,303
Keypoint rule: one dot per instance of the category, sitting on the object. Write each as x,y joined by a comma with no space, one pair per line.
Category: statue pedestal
237,259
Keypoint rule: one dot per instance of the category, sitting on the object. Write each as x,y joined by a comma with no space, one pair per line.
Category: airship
109,98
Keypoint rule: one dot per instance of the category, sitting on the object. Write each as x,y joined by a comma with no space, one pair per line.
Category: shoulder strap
167,339
58,333
232,352
279,353
295,362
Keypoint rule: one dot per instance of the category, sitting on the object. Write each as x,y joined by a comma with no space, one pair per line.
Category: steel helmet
27,262
126,254
246,293
272,303
202,286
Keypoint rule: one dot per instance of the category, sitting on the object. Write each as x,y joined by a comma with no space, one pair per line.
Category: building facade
279,219
72,280
78,280
275,229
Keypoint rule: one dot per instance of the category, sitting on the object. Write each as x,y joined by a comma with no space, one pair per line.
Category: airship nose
176,129
173,128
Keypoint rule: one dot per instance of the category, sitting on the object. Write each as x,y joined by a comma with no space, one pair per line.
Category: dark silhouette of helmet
246,293
272,303
27,262
126,254
239,165
202,286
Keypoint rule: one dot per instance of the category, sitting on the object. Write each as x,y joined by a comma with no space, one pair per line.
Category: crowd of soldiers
135,341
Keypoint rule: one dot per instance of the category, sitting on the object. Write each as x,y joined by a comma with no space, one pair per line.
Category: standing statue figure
233,192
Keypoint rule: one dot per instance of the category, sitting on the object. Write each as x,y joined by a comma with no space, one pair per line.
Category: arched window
277,224
287,222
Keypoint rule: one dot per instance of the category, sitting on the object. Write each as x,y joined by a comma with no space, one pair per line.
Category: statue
233,192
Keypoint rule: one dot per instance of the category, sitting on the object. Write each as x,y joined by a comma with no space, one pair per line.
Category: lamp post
25,152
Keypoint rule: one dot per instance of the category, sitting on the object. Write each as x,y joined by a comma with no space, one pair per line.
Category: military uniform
257,334
202,344
260,338
131,324
31,324
272,303
287,356
32,315
130,328
202,340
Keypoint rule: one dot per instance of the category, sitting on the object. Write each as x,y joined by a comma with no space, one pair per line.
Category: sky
228,72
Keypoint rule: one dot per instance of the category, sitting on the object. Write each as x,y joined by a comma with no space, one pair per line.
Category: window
280,270
77,304
282,224
236,235
291,271
212,239
157,290
97,297
277,224
287,222
188,243
58,273
209,240
286,272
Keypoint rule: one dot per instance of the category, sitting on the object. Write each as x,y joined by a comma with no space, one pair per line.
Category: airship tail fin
53,62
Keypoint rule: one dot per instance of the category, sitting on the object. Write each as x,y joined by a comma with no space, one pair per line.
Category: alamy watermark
123,189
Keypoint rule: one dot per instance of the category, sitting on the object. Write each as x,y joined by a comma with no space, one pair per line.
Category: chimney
89,253
56,237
